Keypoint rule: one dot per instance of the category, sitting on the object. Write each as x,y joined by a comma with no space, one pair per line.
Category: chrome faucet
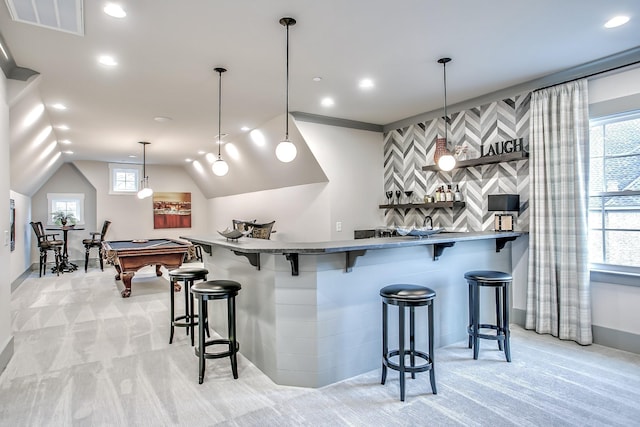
424,223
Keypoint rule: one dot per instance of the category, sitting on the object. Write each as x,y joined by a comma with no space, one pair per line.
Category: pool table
129,256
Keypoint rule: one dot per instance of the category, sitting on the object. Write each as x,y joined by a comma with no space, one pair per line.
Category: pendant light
219,167
443,157
286,151
145,190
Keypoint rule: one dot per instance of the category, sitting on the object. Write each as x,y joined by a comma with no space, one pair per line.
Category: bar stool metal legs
407,296
212,290
188,276
500,282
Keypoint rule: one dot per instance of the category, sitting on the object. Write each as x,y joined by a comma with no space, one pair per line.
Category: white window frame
53,198
116,167
611,273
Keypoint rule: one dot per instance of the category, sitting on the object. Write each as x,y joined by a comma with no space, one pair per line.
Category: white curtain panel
558,293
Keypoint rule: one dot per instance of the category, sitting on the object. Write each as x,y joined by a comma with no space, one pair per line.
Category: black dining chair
47,242
95,242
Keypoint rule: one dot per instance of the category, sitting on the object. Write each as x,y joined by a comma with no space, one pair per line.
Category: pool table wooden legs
127,277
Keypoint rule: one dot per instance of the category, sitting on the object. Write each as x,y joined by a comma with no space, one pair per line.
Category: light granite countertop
249,245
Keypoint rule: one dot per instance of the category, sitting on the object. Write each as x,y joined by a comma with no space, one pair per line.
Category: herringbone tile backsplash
408,149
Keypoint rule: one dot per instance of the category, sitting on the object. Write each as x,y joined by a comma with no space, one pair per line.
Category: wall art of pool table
129,256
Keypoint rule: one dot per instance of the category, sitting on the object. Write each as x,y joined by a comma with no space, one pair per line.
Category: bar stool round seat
407,296
501,282
187,275
215,290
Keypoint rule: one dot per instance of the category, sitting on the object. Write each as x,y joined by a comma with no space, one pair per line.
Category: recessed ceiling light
64,141
68,152
210,158
327,102
114,10
245,128
616,21
188,160
258,138
132,156
59,106
162,119
317,79
201,152
366,84
107,60
62,127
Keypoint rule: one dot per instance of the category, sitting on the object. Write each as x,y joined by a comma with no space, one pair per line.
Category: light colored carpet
84,356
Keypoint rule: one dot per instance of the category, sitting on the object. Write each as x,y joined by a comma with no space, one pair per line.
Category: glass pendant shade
446,162
145,191
220,167
286,151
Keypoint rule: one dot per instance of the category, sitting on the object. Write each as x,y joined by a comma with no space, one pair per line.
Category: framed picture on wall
171,210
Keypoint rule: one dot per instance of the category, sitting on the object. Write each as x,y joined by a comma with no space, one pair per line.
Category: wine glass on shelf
389,195
409,193
398,194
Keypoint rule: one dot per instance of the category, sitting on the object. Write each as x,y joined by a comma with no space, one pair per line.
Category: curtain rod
608,70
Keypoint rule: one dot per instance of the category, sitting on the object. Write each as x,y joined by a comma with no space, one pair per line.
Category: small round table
66,266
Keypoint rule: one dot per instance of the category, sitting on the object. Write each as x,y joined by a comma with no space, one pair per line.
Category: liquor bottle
449,194
457,195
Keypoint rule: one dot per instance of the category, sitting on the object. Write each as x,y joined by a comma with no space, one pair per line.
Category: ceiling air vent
62,15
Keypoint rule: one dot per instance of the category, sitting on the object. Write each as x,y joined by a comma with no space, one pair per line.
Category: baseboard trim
607,337
6,354
22,277
616,339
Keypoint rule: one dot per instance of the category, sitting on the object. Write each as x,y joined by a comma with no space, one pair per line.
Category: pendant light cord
446,124
286,116
219,109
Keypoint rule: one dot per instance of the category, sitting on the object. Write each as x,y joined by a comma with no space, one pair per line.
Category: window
69,203
124,179
614,193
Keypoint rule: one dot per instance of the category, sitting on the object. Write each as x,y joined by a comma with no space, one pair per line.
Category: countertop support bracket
351,259
254,258
293,259
438,248
501,241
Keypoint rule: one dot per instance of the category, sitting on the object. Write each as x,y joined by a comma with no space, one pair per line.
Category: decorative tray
233,234
417,232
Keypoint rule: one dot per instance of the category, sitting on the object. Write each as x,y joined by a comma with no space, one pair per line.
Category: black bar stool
410,296
501,282
212,290
188,275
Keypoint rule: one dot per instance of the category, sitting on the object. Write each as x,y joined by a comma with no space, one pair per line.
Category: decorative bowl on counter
417,231
233,234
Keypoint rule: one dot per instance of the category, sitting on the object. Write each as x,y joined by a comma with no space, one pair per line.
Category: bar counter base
325,325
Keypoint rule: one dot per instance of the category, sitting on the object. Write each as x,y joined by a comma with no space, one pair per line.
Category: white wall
351,159
6,339
353,162
133,218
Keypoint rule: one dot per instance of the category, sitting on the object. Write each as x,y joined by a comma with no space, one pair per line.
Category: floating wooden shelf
434,205
518,155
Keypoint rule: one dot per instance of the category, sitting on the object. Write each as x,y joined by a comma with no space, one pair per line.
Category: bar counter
309,313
